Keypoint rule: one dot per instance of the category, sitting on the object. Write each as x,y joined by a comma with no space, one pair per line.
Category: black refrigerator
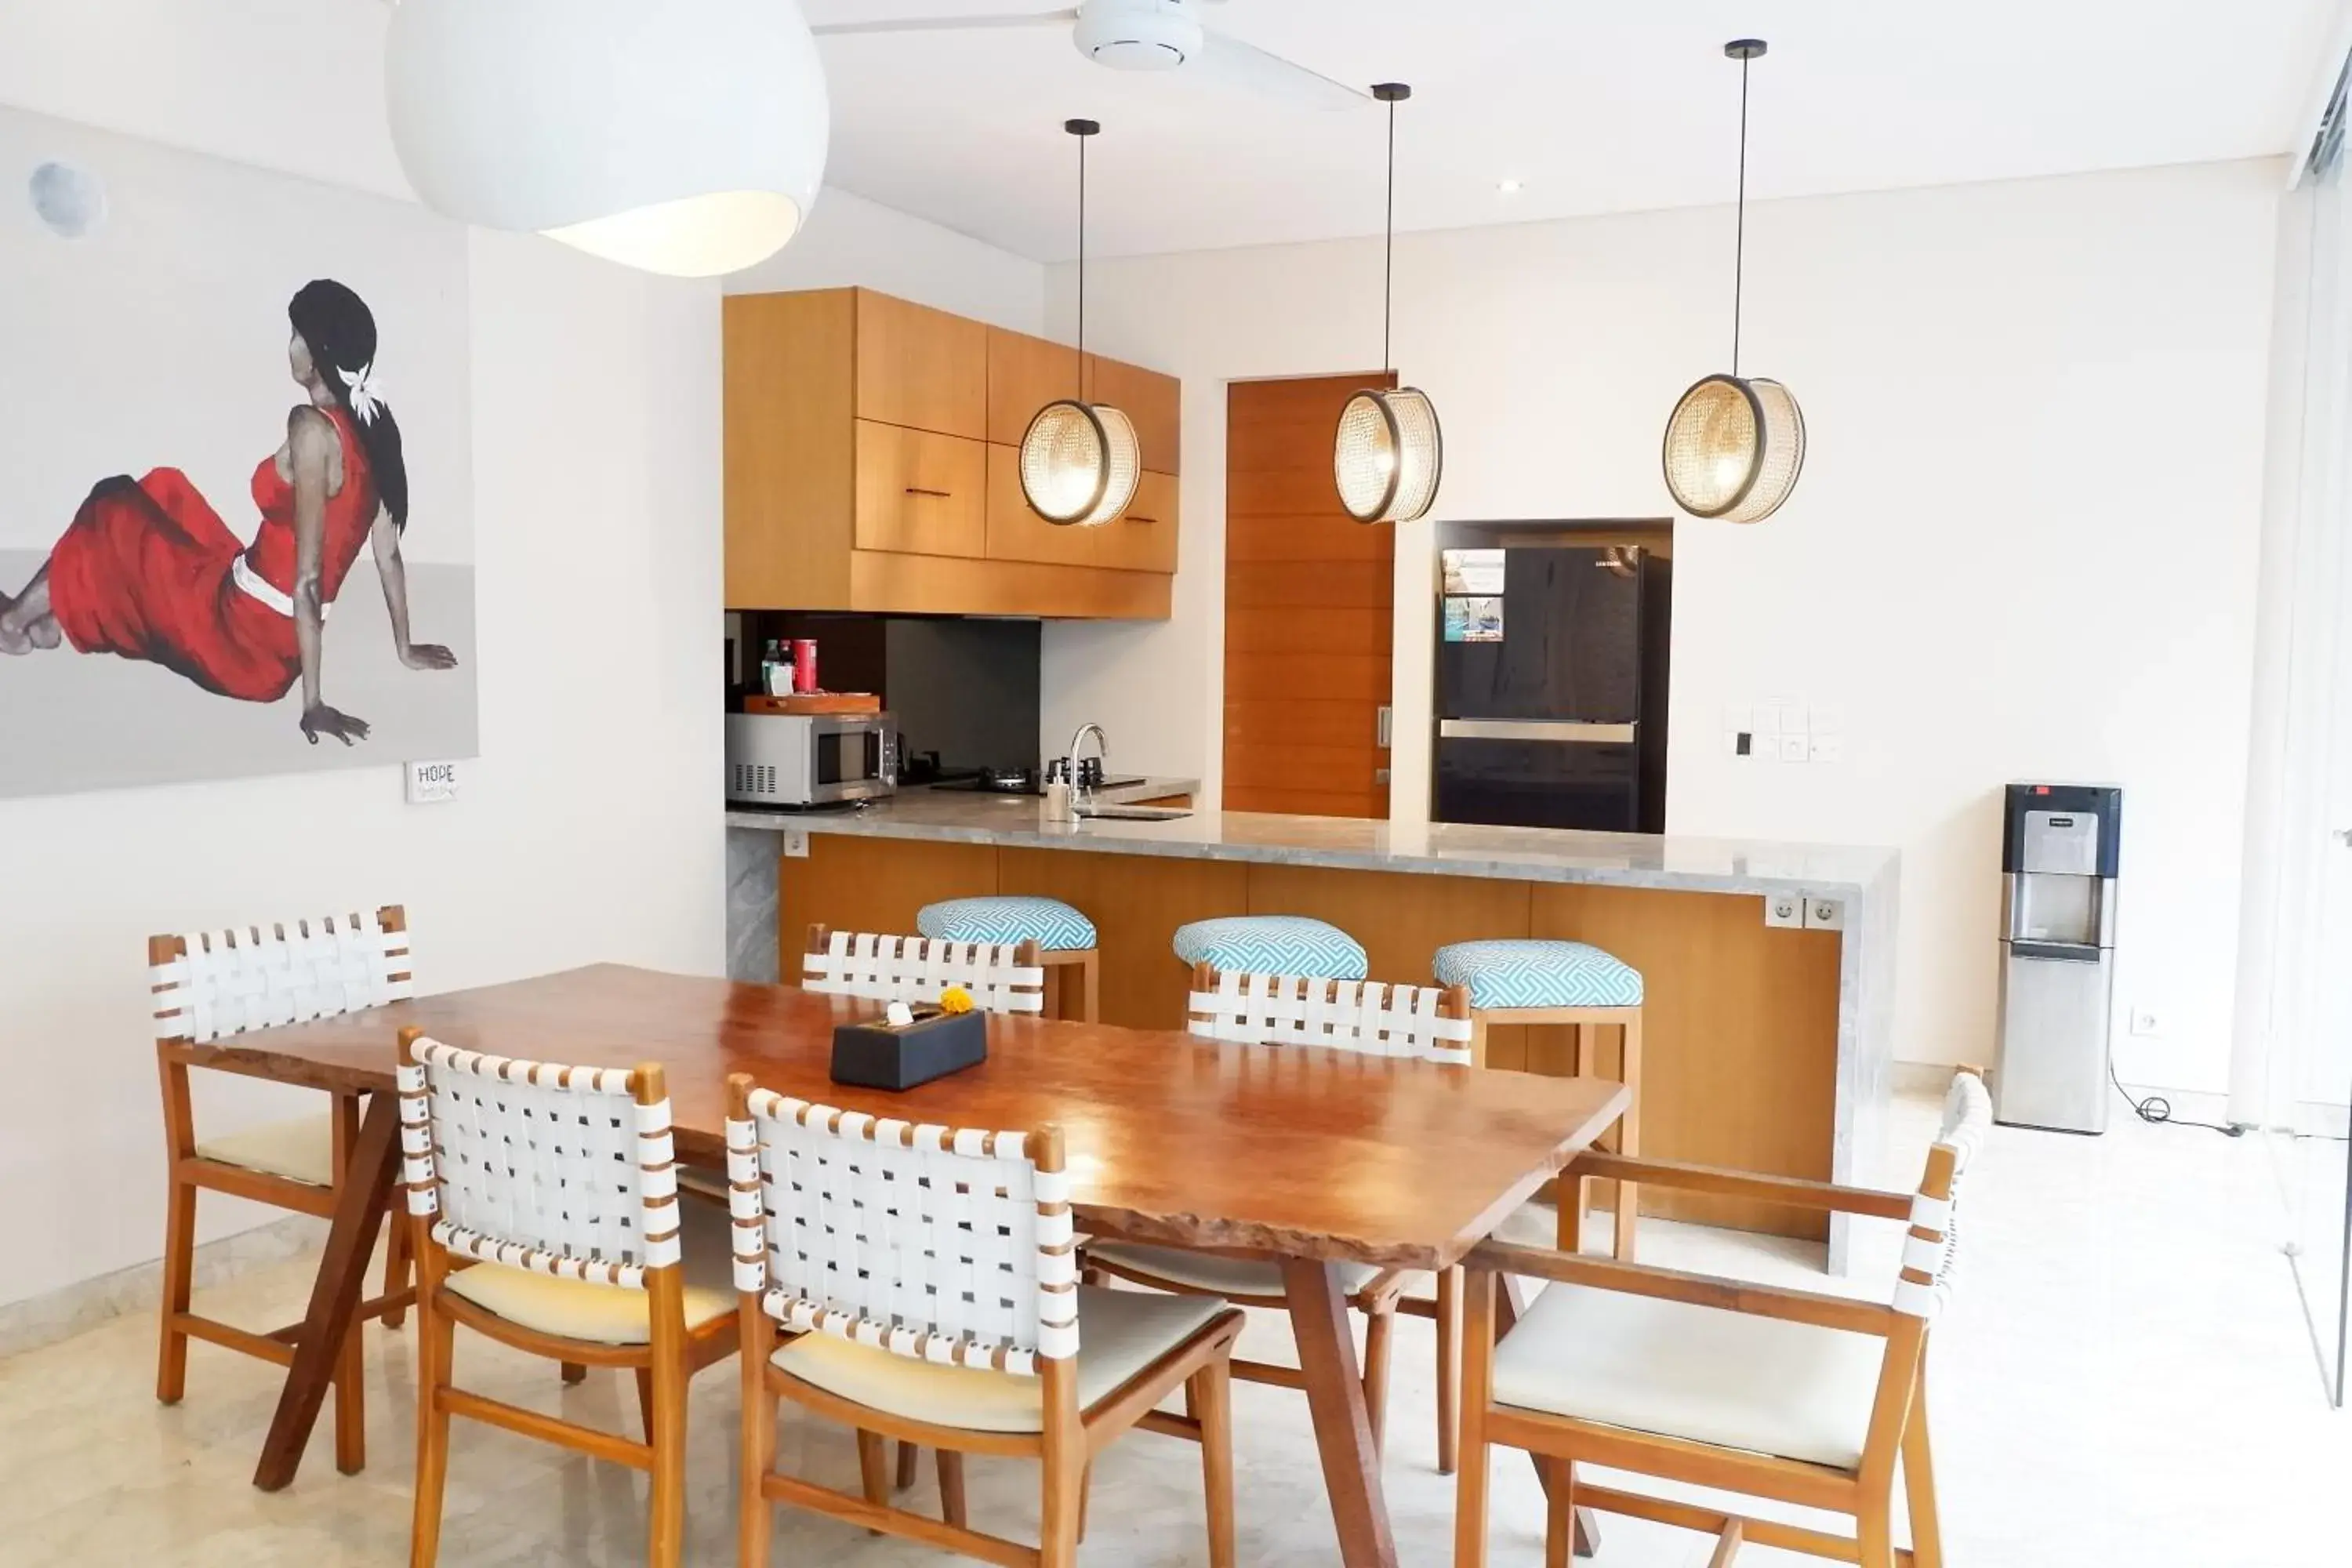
1551,687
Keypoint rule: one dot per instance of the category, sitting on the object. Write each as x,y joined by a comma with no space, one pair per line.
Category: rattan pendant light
1079,460
1734,446
1389,454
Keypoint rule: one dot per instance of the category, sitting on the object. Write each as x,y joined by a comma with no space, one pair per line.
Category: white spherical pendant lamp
1080,461
685,137
1389,453
1735,445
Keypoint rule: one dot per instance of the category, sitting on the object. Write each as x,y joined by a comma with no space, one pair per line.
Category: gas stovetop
1010,780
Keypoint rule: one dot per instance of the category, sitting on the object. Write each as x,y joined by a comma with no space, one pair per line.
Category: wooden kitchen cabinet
872,464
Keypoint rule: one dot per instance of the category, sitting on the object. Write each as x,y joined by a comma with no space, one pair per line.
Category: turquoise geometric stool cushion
1539,974
1273,944
1048,923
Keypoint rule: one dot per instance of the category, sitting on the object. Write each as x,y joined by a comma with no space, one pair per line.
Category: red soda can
804,664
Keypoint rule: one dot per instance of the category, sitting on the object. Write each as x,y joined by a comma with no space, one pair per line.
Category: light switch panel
1828,748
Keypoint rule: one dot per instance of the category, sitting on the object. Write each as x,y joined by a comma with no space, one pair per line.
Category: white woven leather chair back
208,984
916,969
1345,1014
565,1170
1931,1248
941,1244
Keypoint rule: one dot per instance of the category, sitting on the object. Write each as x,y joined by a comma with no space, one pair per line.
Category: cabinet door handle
941,495
1133,518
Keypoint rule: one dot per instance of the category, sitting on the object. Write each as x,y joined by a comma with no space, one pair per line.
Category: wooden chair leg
1875,1532
1062,1516
667,1432
645,1401
1629,1136
1919,1482
435,1336
754,1517
397,1267
574,1373
1086,1496
952,1504
1449,1367
1377,1325
909,1465
874,1465
1210,1393
179,1283
1478,1388
1559,1512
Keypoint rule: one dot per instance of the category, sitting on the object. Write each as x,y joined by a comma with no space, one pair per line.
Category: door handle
936,495
1386,724
1380,775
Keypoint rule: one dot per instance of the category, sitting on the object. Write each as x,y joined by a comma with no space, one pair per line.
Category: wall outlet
1785,911
2147,1022
432,782
1824,914
795,843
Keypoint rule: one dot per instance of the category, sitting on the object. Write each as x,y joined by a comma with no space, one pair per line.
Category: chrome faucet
1102,750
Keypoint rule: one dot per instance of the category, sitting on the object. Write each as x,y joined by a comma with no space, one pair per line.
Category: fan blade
1226,61
948,24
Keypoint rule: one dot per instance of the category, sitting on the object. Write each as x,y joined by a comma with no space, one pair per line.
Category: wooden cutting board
811,702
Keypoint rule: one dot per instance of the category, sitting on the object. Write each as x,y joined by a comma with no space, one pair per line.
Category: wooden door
1308,592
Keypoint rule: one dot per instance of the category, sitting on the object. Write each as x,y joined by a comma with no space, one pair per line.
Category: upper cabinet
872,464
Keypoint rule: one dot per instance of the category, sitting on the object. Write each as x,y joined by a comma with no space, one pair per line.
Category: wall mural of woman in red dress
149,571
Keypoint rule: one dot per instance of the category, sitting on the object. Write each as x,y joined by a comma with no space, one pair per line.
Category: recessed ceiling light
1510,187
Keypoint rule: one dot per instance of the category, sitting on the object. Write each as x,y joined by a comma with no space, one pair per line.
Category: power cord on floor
2156,1110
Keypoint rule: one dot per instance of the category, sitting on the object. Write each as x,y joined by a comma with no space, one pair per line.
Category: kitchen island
1767,1047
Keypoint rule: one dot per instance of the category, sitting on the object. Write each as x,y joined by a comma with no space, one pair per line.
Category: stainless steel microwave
779,759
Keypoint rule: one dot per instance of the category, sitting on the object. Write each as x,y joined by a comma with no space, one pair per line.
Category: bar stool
1273,944
1065,939
1525,981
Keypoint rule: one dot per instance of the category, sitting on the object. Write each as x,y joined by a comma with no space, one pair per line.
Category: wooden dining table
1318,1157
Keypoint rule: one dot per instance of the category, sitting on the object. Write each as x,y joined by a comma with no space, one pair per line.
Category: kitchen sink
1135,812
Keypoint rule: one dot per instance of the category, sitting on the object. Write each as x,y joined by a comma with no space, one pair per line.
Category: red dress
149,572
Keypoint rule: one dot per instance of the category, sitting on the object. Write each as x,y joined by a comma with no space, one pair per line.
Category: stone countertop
1458,849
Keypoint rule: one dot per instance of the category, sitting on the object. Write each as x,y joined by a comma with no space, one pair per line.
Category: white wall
2025,541
849,241
592,827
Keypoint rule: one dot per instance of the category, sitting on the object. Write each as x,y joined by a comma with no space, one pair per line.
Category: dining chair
206,987
1253,1009
546,1215
920,1282
1002,977
1804,1398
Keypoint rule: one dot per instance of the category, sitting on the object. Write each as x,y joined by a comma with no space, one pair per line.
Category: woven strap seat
1519,973
1273,944
1007,921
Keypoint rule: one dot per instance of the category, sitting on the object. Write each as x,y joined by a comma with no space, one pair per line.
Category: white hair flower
362,392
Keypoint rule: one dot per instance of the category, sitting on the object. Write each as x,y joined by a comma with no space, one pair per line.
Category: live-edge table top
1306,1152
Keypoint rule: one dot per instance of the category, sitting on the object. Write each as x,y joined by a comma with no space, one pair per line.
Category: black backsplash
964,688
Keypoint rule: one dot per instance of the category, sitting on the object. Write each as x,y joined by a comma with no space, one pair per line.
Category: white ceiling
1595,107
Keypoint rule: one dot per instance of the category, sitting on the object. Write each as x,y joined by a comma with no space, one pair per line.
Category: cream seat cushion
609,1314
302,1150
1697,1372
1216,1274
1121,1333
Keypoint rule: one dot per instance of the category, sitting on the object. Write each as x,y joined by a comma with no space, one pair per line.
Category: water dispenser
2059,861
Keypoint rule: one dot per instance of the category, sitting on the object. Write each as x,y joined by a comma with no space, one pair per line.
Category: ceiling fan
1150,36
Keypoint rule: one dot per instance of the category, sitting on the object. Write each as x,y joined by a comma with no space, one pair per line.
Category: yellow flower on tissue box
955,999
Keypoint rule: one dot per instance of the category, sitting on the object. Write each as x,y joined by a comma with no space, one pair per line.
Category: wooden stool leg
1585,1052
179,1281
1449,1367
1091,970
1629,1137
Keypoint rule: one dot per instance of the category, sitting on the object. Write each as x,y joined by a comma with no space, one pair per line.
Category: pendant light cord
1082,267
1388,254
1739,243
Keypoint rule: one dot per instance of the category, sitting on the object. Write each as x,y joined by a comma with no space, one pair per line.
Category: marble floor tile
2125,1378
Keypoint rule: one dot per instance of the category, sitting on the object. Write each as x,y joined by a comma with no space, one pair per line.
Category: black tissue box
878,1056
